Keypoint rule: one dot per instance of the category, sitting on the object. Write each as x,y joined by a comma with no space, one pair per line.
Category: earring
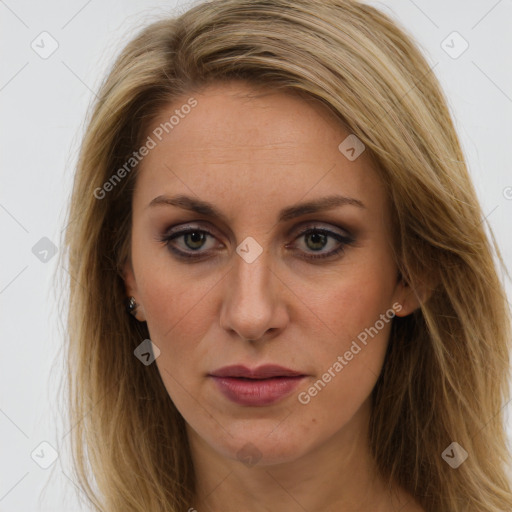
132,306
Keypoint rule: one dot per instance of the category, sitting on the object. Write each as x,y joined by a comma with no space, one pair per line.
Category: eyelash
343,240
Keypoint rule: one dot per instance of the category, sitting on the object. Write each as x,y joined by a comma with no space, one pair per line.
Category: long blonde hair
445,378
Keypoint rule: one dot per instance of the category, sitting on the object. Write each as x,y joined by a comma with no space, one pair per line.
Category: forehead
239,144
236,116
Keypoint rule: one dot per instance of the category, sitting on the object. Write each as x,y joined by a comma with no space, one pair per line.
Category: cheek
179,310
353,299
357,304
357,315
177,318
175,303
349,367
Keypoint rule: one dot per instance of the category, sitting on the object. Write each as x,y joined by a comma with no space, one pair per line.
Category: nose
253,306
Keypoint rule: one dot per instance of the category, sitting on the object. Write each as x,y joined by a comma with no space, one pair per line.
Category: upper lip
261,372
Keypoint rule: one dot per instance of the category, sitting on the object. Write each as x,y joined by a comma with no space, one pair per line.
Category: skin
251,154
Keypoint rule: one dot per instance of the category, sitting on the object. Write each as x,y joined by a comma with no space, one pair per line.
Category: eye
189,243
317,239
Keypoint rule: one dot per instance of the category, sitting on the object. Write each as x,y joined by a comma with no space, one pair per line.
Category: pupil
196,238
317,238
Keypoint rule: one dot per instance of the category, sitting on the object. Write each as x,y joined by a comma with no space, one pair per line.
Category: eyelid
197,225
321,226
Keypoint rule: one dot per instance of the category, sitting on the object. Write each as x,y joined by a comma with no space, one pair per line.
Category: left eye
316,239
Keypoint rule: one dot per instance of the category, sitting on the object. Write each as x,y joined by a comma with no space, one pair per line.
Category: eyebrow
286,214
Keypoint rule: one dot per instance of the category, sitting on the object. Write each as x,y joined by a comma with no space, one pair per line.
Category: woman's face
287,262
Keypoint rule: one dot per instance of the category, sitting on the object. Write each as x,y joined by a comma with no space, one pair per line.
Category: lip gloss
256,392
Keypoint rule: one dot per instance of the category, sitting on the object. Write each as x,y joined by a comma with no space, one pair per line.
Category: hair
445,376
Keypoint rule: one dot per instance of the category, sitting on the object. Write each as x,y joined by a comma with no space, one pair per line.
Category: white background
43,104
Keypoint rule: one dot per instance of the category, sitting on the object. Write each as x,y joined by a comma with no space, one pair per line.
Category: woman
314,321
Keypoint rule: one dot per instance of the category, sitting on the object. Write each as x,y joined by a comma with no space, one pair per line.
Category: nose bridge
251,284
250,306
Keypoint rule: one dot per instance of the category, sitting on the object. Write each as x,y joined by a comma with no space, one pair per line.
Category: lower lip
256,392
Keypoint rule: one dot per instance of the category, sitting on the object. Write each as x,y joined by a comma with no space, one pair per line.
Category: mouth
260,386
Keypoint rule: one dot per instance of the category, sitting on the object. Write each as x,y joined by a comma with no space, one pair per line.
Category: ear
410,299
132,290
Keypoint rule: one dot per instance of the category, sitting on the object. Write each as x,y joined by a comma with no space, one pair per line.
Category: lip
259,386
265,371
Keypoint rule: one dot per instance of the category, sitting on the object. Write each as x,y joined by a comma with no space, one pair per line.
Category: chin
264,446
